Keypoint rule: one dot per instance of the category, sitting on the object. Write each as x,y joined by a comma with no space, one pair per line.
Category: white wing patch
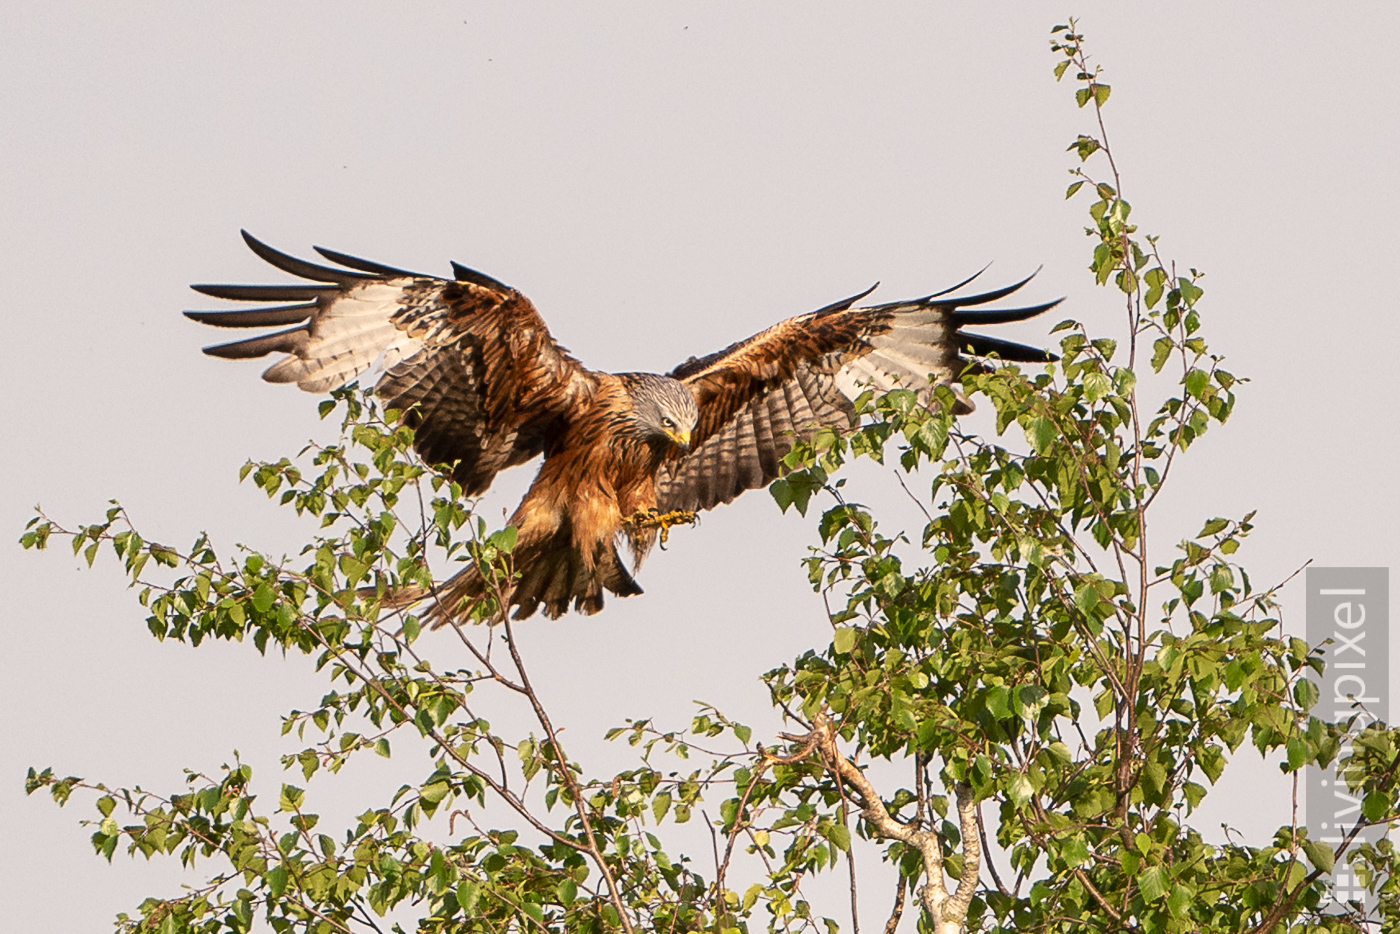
918,347
355,332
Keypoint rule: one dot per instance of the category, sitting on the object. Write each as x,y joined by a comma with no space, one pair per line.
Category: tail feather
551,576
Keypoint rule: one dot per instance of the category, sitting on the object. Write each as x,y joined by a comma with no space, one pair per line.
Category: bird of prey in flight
485,387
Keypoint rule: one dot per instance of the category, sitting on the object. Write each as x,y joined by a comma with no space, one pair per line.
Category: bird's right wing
468,360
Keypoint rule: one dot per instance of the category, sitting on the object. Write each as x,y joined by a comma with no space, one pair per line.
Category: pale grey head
663,408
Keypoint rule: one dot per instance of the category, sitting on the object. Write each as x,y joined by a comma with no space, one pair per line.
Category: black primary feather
1012,352
300,267
1001,315
266,293
369,265
257,318
467,274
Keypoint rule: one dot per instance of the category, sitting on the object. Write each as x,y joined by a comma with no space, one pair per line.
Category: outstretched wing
468,359
757,396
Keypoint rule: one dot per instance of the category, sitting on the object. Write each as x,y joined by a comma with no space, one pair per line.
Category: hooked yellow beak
682,439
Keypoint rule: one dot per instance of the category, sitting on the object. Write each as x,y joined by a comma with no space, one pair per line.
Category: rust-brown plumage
486,387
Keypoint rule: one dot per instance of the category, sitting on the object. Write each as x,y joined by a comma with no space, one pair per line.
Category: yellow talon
651,519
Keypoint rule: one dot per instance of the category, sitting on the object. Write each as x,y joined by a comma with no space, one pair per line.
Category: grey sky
662,179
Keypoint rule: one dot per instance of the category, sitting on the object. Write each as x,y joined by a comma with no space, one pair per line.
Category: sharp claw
655,519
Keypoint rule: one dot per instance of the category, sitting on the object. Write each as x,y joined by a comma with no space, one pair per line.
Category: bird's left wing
758,396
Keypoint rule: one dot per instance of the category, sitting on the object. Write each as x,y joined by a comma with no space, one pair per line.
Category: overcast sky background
662,179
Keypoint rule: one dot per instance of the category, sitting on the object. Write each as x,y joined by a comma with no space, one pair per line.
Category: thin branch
850,855
723,867
982,834
898,910
567,776
351,663
1098,896
714,849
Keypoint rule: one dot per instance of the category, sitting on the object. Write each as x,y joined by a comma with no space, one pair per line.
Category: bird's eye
667,423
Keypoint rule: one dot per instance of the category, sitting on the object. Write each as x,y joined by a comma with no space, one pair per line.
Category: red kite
486,387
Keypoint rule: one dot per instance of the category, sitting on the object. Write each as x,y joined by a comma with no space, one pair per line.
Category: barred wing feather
468,359
758,396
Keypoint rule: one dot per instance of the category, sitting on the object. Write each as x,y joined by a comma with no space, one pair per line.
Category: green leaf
1179,902
1019,788
1162,348
1069,193
728,811
1213,526
1297,754
276,881
1094,802
263,598
1104,702
1196,382
1041,433
838,834
781,491
1096,386
291,798
1190,292
844,639
1319,854
504,540
243,911
352,567
1075,851
467,894
1156,279
434,792
1153,883
999,702
1088,599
